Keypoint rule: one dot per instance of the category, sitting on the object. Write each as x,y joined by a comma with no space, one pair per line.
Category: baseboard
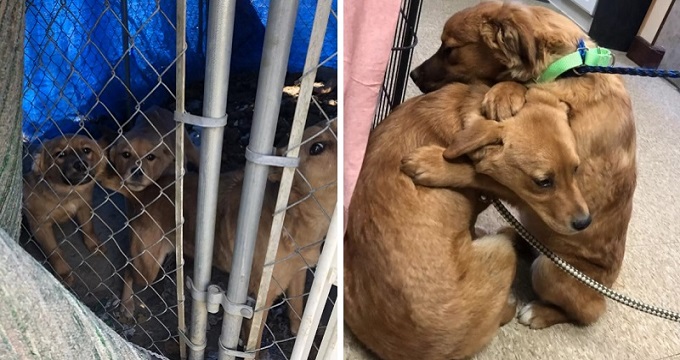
574,12
645,54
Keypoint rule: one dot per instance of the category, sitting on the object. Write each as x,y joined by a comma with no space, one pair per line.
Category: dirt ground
100,278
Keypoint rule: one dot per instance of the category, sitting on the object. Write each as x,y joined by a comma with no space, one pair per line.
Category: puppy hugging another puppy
415,284
493,42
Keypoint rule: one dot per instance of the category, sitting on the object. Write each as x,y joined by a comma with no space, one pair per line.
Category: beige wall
652,22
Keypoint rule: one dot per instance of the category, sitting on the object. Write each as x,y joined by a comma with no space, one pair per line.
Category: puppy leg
84,217
503,100
145,264
427,167
495,256
296,291
48,242
493,262
127,303
563,298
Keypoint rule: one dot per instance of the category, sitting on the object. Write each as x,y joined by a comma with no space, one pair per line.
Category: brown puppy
493,41
58,189
146,152
416,285
306,223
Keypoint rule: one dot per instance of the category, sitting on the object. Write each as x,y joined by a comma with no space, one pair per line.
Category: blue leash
585,69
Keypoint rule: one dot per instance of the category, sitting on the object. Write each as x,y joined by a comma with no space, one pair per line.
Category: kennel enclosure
92,68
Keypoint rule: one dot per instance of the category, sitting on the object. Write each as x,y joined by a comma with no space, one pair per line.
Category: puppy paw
126,311
65,273
96,248
503,100
424,165
510,309
509,232
100,250
295,326
69,279
539,316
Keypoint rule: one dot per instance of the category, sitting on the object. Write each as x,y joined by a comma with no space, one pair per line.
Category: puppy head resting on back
145,153
318,168
71,160
534,155
496,41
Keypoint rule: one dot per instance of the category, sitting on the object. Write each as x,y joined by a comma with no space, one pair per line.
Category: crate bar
277,42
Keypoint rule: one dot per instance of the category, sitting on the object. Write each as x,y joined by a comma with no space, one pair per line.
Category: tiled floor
651,270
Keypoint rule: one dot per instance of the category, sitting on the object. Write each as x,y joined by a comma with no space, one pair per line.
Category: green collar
582,56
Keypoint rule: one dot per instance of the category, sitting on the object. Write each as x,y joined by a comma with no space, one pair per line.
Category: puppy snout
79,166
136,172
582,222
415,75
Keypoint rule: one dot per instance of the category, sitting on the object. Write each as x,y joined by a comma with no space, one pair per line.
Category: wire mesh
394,84
137,228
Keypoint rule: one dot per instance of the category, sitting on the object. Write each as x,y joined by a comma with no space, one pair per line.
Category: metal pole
218,61
323,10
324,277
277,41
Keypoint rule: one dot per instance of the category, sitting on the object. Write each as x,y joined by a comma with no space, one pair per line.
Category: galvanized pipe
218,61
277,41
323,10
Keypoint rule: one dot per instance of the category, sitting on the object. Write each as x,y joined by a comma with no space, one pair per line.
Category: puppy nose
136,172
582,223
78,165
415,75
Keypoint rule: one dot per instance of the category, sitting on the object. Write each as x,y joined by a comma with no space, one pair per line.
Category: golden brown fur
522,42
146,152
59,189
305,224
416,285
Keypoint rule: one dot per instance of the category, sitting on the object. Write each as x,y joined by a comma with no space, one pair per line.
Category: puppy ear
480,134
110,151
38,161
509,34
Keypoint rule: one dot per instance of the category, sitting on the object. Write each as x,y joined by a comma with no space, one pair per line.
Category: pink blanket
369,31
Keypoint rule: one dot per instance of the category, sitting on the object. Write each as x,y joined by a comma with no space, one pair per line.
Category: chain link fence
101,183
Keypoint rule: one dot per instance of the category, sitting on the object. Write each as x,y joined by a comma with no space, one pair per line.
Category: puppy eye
151,157
575,169
316,149
87,150
544,183
60,154
126,154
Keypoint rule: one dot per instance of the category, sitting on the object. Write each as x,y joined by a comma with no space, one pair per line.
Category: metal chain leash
635,304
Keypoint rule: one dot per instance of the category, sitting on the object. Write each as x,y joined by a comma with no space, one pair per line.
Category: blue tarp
75,65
